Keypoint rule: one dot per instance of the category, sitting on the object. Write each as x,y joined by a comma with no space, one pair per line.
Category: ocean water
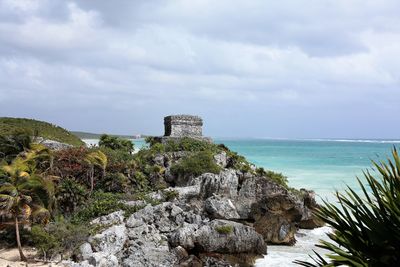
321,165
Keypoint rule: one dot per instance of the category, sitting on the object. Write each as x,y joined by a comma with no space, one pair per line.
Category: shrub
116,143
195,165
224,229
45,242
190,145
70,162
70,195
278,178
119,161
366,226
237,161
140,181
102,204
170,195
58,237
114,182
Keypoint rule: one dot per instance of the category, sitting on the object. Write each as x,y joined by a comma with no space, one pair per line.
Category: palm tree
24,195
99,159
366,227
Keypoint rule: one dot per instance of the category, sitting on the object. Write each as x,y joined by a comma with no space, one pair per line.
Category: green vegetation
224,229
58,237
367,226
102,204
59,192
115,143
170,195
196,164
24,193
8,126
275,176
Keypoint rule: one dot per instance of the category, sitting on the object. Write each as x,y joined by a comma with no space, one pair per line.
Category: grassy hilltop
44,129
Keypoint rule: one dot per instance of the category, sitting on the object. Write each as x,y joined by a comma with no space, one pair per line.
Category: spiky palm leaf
366,227
99,159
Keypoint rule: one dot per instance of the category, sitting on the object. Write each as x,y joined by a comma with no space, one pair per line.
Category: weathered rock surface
221,208
223,219
52,144
110,219
220,236
110,241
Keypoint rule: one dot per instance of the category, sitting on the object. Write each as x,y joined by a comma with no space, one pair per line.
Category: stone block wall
183,126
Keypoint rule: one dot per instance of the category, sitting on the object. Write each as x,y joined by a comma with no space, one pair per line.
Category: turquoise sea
321,165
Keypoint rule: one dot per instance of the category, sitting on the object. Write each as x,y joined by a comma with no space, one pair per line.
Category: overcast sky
259,68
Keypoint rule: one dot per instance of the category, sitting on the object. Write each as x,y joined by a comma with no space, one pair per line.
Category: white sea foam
285,255
354,140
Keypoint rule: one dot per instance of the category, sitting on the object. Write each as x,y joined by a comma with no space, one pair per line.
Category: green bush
70,195
278,178
102,204
366,226
170,195
224,229
190,145
114,182
116,143
195,165
140,182
237,161
58,237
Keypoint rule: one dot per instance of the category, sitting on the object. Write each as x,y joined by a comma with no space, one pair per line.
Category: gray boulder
110,241
221,208
220,236
100,259
225,183
221,159
110,219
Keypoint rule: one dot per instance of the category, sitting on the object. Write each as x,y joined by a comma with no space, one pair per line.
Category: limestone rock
274,210
225,183
100,259
210,238
221,208
85,251
110,219
221,159
110,241
309,220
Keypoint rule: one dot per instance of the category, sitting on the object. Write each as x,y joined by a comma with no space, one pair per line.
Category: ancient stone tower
183,126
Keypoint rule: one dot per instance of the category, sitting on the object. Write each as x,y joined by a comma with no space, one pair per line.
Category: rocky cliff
221,218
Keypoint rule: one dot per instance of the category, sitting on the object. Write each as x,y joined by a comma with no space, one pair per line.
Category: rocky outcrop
223,219
221,208
52,144
221,236
169,235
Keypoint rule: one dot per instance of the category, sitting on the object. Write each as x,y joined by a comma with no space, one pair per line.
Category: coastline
285,255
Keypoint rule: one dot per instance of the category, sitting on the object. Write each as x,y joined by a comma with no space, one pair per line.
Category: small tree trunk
51,163
21,254
91,179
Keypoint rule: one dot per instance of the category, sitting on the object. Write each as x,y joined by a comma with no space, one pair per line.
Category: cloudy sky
260,68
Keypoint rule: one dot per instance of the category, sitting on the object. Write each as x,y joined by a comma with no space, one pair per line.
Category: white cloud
157,57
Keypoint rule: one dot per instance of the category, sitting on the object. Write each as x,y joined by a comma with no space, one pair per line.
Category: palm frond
367,224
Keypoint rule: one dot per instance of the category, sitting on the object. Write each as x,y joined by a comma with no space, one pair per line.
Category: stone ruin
183,126
179,126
